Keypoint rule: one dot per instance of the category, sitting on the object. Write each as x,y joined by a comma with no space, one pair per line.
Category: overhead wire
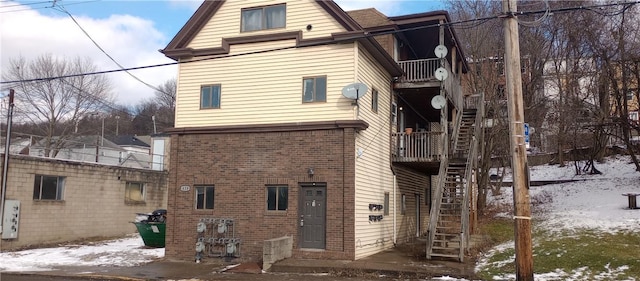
38,8
539,21
459,24
61,8
339,40
34,3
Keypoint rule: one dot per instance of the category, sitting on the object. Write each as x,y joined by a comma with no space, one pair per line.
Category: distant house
276,135
125,151
132,144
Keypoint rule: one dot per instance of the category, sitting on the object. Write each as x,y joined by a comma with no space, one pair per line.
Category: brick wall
93,205
240,165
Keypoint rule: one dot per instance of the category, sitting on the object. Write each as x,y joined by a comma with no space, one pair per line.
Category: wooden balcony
419,70
416,147
421,74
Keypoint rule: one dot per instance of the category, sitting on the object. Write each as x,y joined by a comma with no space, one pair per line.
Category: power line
19,5
351,38
37,8
62,9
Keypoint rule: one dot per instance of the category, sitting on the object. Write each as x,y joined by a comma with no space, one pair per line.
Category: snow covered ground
129,251
593,201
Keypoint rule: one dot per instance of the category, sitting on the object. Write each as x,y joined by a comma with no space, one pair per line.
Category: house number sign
185,188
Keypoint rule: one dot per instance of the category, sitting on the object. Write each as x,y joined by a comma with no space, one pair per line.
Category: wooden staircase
449,221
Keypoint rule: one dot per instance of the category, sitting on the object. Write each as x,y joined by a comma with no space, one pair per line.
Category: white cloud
130,40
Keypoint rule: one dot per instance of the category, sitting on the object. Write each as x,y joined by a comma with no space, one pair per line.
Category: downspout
395,233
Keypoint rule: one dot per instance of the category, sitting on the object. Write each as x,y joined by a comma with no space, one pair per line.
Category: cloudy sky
131,32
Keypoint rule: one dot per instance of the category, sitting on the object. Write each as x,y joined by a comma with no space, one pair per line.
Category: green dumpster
153,228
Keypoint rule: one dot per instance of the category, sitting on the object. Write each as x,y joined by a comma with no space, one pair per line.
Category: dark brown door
312,220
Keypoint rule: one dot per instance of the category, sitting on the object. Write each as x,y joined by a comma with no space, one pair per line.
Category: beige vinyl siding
300,13
410,183
266,88
373,173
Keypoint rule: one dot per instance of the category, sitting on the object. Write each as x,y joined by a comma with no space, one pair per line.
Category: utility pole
521,200
5,167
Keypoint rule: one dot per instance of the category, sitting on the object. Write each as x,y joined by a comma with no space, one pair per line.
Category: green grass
499,230
594,255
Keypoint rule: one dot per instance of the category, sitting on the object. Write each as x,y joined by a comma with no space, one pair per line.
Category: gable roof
209,7
177,48
369,17
128,140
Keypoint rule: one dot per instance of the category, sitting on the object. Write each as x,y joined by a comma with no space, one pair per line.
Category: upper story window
374,101
262,18
210,96
314,89
48,188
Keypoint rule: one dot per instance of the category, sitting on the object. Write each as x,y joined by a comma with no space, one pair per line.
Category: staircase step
447,248
444,255
453,235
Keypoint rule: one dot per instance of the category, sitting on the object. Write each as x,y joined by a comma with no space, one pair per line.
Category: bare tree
166,101
615,40
482,44
55,105
166,94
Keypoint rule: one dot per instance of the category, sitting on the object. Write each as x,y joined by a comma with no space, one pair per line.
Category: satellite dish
441,74
438,102
355,91
441,51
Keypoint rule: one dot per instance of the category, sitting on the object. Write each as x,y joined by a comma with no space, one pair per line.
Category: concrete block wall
275,250
93,203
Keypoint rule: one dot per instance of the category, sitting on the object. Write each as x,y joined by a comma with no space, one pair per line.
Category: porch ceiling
420,101
427,168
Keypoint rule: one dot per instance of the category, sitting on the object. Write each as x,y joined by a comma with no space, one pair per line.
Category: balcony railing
419,70
417,147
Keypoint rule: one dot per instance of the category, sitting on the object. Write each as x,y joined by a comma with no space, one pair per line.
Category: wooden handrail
417,146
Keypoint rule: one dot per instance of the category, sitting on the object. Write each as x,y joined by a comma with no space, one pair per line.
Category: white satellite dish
441,51
441,74
355,91
438,102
